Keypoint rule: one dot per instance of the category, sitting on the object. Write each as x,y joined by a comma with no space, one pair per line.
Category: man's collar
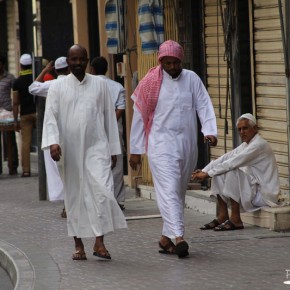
76,79
61,76
25,72
170,77
254,137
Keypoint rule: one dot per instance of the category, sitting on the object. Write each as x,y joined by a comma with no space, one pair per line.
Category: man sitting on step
245,178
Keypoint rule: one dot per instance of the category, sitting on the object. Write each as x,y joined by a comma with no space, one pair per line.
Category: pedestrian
246,177
24,103
40,88
164,126
99,66
6,85
49,75
80,126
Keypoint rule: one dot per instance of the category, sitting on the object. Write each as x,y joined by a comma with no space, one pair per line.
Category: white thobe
248,174
172,144
53,179
41,88
118,98
80,117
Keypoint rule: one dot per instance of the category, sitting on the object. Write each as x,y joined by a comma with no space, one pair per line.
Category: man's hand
199,175
48,68
55,152
114,161
212,140
135,160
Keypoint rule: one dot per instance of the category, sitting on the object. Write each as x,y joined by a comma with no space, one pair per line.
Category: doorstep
276,218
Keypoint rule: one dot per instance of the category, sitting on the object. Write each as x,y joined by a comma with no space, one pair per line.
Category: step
275,218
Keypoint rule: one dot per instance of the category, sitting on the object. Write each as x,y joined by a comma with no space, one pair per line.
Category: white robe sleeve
237,158
121,102
110,123
50,133
39,89
205,110
137,134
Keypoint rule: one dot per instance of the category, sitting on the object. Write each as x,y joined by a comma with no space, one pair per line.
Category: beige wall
80,23
130,60
102,31
13,34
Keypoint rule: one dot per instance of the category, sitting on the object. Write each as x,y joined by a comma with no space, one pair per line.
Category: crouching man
245,178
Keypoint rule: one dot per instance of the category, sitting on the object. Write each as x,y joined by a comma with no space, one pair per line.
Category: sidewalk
35,235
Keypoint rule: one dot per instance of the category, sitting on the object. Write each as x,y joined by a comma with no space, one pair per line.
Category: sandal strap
211,225
169,246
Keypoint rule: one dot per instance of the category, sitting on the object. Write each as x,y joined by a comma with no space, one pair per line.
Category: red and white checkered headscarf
147,91
170,48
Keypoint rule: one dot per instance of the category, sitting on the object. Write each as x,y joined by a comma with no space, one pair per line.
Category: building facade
238,48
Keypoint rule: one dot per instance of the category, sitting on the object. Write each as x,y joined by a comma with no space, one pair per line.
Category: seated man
245,177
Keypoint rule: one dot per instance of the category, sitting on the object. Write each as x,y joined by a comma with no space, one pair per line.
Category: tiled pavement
253,258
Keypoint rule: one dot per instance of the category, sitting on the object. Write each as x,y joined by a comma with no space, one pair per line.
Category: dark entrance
3,29
190,22
56,28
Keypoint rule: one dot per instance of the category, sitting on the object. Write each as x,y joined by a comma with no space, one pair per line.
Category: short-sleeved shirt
21,84
6,84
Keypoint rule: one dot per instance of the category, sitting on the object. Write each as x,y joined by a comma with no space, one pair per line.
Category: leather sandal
102,254
211,225
26,174
228,226
182,249
63,213
168,249
79,255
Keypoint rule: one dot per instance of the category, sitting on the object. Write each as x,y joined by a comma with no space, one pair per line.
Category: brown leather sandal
26,174
63,213
102,254
168,249
79,255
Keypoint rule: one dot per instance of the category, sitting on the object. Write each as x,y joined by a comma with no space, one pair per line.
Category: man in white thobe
40,88
99,66
80,125
246,177
165,125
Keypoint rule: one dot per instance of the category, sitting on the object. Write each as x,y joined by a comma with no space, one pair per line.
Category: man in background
24,103
6,85
99,66
40,88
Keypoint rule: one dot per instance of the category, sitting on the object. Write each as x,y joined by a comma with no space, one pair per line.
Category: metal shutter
270,82
216,79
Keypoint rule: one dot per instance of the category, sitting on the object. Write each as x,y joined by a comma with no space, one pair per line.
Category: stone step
276,218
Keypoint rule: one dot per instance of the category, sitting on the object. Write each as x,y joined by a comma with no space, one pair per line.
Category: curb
18,266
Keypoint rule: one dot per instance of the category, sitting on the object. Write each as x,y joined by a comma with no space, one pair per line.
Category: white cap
60,63
25,59
249,117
